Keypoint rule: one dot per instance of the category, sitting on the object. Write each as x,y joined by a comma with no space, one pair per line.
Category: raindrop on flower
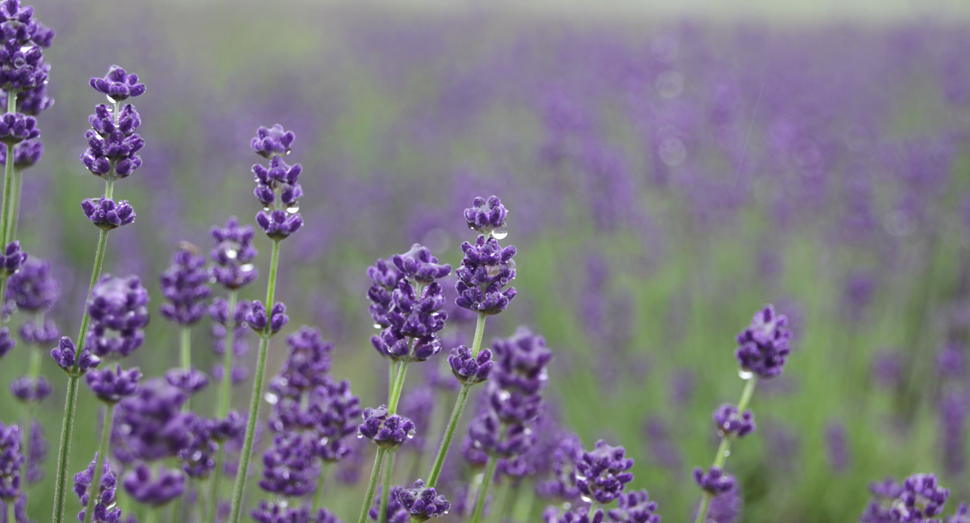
271,398
411,434
745,374
500,232
293,209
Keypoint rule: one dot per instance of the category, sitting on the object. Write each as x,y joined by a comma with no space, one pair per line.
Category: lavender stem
244,457
386,489
439,460
724,449
483,490
372,485
15,204
67,427
99,459
11,515
318,497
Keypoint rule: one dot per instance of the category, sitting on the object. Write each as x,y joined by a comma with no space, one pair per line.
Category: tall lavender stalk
279,191
112,144
484,272
762,352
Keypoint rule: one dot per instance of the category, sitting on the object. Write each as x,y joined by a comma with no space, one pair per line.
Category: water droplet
411,434
231,254
446,512
500,232
377,326
197,455
360,436
246,268
293,209
727,453
271,398
745,374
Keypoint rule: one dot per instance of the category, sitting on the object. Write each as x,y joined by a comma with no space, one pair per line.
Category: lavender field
663,179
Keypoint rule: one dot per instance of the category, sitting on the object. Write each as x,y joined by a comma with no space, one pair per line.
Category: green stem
152,515
724,449
439,460
372,486
185,358
386,488
398,387
70,402
18,177
318,497
505,500
523,508
7,180
216,480
240,485
11,514
99,459
483,490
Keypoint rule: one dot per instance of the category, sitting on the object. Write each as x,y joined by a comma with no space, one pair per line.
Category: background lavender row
619,147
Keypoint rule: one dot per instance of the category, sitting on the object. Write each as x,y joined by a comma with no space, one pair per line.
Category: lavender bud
105,510
468,369
190,381
198,455
763,346
386,430
33,101
111,386
485,269
921,497
490,435
184,286
579,515
279,224
272,141
118,85
17,127
713,482
11,461
730,423
289,467
25,154
487,216
155,492
275,513
13,258
7,343
602,474
30,390
420,265
106,214
422,503
64,355
259,322
43,335
33,288
229,428
395,513
233,254
119,311
635,507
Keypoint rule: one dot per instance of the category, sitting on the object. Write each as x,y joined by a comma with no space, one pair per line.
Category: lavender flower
334,411
34,101
119,311
43,335
106,214
113,142
277,187
635,507
520,362
198,456
414,316
395,513
763,346
33,288
487,216
64,354
921,497
190,381
25,154
386,430
7,343
568,453
149,425
488,434
468,369
420,265
962,515
113,386
22,65
837,446
118,84
385,277
229,428
953,431
602,473
422,502
263,324
168,485
485,270
275,513
714,481
233,254
30,390
579,515
105,510
16,127
13,258
11,460
730,423
289,467
184,286
306,365
726,506
38,454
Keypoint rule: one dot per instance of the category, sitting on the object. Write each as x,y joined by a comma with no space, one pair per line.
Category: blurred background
668,171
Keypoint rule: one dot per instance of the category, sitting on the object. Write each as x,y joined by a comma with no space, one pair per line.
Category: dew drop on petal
501,232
